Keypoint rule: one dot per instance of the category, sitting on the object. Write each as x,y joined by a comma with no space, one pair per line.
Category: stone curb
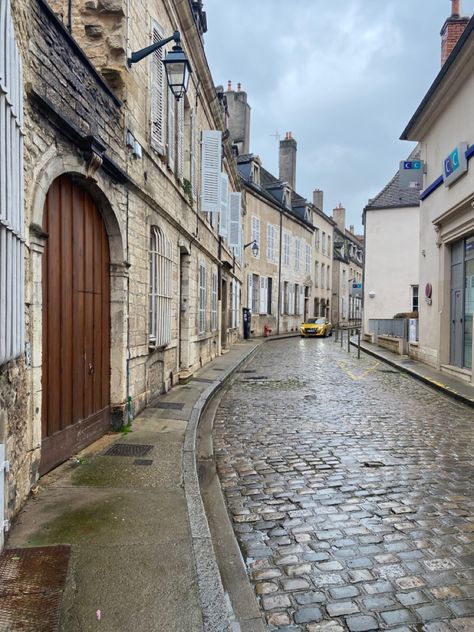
419,376
215,604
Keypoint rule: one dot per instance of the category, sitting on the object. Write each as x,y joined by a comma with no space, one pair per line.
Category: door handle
91,368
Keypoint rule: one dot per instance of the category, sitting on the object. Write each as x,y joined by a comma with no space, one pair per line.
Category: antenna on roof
276,136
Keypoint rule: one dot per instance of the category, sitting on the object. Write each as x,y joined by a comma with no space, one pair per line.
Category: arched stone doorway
76,323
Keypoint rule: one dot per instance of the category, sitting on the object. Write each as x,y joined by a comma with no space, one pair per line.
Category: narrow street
351,491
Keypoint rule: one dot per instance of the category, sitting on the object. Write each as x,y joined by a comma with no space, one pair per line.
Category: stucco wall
392,255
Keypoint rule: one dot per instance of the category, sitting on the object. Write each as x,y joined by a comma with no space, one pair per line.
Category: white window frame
286,248
307,259
160,293
271,243
263,295
202,294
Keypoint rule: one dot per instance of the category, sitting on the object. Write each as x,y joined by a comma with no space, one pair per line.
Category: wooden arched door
76,323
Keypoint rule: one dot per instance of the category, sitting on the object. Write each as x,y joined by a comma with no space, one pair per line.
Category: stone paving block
270,602
433,611
343,592
339,608
462,607
464,624
308,615
294,584
362,623
325,626
378,602
395,617
412,598
278,618
407,583
306,598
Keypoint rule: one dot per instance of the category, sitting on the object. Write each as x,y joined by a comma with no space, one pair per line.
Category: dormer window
256,173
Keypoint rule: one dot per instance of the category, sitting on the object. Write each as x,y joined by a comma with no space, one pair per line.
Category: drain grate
31,586
143,462
128,449
170,405
204,380
217,369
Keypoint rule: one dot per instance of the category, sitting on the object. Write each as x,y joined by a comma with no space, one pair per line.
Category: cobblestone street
351,487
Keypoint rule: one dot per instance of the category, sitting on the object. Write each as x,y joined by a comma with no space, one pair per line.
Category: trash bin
247,320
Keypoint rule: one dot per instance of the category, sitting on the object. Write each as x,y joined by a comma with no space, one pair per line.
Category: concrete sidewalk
450,386
141,556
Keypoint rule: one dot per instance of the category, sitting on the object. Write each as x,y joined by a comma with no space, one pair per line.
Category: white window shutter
249,291
171,130
157,84
301,310
224,218
211,159
263,301
180,144
235,227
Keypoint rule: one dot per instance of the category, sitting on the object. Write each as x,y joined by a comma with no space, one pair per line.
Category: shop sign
411,174
455,165
356,290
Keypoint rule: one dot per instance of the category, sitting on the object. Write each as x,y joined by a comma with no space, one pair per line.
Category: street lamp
254,245
177,66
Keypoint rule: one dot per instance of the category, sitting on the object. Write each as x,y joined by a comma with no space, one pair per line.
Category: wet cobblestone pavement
350,486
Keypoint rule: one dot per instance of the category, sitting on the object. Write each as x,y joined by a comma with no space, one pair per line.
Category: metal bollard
349,340
342,336
358,344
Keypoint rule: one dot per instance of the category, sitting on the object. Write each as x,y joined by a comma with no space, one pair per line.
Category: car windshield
316,321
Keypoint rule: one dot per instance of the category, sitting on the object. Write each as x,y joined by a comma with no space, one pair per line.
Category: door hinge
5,466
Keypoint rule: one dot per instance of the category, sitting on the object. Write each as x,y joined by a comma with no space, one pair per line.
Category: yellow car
316,327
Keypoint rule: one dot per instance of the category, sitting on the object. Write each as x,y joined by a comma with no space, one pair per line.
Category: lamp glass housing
255,249
178,71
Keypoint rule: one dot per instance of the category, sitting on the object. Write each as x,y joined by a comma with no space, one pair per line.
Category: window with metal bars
161,287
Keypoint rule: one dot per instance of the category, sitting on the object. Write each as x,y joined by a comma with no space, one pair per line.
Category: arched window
160,293
11,193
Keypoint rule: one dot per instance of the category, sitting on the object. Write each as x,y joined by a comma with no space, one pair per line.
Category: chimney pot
452,30
456,10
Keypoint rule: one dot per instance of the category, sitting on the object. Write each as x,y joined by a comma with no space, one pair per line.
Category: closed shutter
235,225
157,131
211,159
301,307
291,299
249,291
180,140
282,299
224,218
171,130
193,155
263,295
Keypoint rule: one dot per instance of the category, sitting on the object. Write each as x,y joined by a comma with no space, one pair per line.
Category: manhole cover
204,380
143,462
169,405
31,586
128,449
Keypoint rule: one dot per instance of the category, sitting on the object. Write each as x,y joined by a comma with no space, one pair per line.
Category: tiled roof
392,196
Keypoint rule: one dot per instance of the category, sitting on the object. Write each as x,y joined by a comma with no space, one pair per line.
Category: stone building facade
130,282
348,265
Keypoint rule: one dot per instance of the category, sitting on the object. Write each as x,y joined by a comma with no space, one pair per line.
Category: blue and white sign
356,290
455,165
411,174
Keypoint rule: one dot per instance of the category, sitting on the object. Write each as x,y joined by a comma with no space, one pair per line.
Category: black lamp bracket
144,52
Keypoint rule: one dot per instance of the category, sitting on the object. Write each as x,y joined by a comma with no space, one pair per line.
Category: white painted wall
392,254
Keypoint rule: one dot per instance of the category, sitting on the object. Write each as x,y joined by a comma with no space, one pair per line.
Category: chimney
452,30
339,216
239,118
318,198
288,160
351,229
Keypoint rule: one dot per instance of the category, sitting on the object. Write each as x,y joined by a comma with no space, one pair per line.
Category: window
307,259
256,173
286,248
328,285
316,274
297,254
180,139
193,152
324,243
255,293
256,232
269,295
271,233
263,295
316,238
171,126
160,291
323,275
414,298
202,299
211,160
157,85
11,194
214,302
329,246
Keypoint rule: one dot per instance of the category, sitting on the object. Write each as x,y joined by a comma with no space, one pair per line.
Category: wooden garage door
76,323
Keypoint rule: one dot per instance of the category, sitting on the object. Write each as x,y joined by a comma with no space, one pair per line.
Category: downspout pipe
279,275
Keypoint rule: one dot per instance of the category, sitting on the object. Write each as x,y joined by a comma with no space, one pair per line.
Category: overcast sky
345,76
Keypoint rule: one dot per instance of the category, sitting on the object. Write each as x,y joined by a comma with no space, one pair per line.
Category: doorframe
47,171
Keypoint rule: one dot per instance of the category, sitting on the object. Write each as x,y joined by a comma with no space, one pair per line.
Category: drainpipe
279,274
